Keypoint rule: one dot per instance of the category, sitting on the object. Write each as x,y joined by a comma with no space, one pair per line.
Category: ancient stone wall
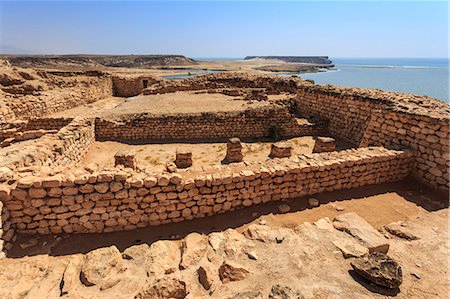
347,115
7,231
75,92
125,200
427,136
67,146
131,86
372,117
270,84
244,124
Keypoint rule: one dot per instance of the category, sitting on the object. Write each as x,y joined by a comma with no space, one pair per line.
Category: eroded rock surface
379,269
357,227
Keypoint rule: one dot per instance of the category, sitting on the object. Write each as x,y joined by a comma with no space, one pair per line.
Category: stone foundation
183,159
234,151
104,202
324,144
126,159
280,150
372,117
251,123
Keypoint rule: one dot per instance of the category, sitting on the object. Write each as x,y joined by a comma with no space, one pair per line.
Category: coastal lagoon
421,76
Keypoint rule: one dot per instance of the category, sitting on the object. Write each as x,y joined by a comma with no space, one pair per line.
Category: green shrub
310,81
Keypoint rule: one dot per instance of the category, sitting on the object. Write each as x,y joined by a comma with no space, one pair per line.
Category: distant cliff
296,59
129,61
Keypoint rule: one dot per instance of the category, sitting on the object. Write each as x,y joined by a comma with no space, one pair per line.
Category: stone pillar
234,151
324,144
183,159
125,158
280,150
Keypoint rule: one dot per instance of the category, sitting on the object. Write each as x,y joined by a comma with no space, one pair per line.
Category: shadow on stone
373,287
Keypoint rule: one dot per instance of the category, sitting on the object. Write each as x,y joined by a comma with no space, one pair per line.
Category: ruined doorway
145,83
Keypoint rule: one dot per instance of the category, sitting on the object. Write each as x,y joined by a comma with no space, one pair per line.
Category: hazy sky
227,29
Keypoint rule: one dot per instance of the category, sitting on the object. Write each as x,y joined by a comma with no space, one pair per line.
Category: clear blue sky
227,29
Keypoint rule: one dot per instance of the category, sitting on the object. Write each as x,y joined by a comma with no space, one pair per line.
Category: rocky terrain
297,59
328,258
128,61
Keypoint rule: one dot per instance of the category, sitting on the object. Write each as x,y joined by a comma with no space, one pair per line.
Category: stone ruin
324,144
234,151
44,190
126,159
280,150
183,159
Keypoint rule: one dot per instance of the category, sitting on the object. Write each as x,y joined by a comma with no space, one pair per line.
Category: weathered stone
193,249
284,208
183,159
313,202
101,265
284,292
125,158
247,295
401,230
164,288
234,151
350,248
324,144
366,235
230,271
379,269
280,150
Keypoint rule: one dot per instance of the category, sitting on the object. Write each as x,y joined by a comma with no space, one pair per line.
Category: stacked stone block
114,201
324,144
427,136
7,236
65,147
234,151
250,123
280,150
126,159
78,90
183,159
372,117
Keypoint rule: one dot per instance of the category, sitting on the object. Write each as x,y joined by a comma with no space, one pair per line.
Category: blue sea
423,76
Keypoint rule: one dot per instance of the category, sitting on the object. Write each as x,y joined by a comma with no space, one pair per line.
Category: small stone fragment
313,202
284,208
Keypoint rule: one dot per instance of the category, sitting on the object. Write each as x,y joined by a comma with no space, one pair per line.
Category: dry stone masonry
183,159
43,190
234,151
324,144
280,150
250,123
120,200
126,159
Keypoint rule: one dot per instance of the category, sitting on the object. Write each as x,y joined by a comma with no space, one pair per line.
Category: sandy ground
183,102
90,110
204,154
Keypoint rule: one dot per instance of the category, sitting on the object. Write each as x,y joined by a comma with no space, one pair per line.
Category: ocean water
423,76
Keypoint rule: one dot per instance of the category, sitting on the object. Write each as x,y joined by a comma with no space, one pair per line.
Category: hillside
296,59
128,61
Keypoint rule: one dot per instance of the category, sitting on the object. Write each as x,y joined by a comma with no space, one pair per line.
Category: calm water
423,76
412,75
